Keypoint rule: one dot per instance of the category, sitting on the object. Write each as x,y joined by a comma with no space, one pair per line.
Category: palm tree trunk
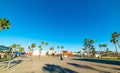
118,44
117,54
101,52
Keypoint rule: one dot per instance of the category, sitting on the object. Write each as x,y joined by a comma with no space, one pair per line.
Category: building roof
5,48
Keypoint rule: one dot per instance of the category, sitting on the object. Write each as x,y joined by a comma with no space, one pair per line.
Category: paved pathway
55,65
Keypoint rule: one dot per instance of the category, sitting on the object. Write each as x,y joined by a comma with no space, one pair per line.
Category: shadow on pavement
13,63
87,67
100,61
51,68
108,67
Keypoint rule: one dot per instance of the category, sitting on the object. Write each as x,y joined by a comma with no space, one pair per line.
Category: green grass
4,59
110,59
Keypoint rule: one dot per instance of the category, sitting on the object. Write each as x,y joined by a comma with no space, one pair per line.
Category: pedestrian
61,58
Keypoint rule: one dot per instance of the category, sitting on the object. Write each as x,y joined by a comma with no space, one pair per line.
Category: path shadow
31,72
87,67
100,61
51,68
73,64
108,67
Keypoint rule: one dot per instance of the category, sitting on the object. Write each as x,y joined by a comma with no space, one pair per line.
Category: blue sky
60,22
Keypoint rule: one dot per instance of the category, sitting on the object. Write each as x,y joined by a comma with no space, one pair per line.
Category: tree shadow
51,68
73,64
87,67
100,61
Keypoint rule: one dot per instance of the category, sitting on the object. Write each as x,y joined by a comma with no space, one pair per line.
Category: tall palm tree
39,47
84,49
93,51
89,45
107,51
115,41
100,45
116,35
86,44
52,49
32,47
62,47
58,47
4,24
91,42
42,42
46,43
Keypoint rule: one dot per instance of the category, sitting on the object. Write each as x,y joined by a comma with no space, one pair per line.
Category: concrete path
55,65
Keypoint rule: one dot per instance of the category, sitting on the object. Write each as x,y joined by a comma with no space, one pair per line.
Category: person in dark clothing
61,58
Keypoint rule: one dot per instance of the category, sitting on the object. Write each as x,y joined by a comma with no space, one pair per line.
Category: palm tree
13,46
107,51
89,45
62,47
116,35
93,51
42,42
58,47
86,44
32,47
115,41
84,49
102,45
21,49
91,42
4,24
40,48
46,43
52,48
